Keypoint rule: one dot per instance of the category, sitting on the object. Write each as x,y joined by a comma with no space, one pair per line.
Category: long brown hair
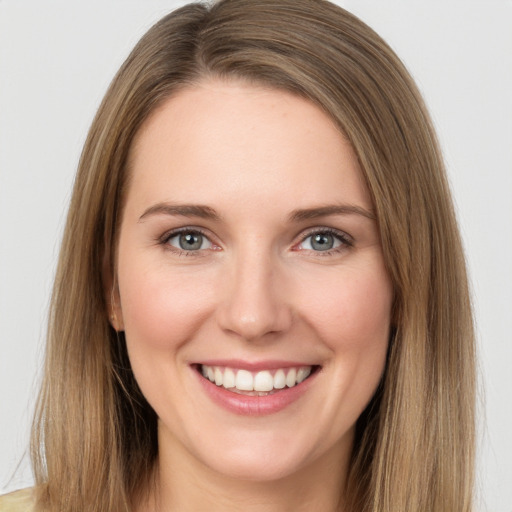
94,433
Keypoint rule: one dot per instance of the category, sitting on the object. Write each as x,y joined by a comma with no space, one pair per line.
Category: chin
257,467
266,456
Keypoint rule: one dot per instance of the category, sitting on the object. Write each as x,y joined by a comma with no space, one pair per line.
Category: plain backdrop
56,61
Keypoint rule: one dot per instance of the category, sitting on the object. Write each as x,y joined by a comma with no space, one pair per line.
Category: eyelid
164,239
185,229
345,239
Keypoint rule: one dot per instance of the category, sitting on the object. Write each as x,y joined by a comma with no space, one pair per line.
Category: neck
184,483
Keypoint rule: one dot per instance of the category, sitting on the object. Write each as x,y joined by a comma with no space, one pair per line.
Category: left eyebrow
184,210
335,209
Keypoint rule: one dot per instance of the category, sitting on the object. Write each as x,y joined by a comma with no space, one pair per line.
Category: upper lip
254,366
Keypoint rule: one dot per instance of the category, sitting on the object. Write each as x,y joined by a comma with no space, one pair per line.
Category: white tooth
279,379
263,381
204,371
244,381
211,375
218,377
229,378
291,377
302,374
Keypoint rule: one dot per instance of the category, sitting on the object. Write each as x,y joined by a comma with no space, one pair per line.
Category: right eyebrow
335,209
183,210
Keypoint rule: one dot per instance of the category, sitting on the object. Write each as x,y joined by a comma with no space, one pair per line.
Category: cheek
351,316
351,310
161,309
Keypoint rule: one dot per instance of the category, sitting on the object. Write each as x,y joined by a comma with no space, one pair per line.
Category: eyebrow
336,209
184,210
207,212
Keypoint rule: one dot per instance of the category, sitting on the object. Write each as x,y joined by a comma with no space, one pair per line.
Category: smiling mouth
260,383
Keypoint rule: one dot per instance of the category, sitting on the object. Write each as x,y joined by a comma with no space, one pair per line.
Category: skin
256,290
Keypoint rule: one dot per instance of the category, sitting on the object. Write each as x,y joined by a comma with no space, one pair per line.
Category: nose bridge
255,303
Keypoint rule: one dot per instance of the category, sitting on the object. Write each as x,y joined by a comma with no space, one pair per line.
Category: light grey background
56,60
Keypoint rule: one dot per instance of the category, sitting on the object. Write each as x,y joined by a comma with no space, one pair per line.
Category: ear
112,298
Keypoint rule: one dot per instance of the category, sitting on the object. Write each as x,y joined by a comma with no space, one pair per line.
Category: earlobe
116,318
112,297
116,313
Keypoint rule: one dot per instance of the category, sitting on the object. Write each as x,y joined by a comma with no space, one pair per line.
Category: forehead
219,140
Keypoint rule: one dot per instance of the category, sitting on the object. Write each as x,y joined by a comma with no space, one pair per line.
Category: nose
255,304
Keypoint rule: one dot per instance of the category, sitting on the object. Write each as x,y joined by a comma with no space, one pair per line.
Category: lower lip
255,405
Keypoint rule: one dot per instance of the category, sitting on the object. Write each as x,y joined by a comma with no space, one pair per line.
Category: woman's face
249,254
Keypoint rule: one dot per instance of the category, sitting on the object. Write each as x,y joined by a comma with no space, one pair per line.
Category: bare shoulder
18,501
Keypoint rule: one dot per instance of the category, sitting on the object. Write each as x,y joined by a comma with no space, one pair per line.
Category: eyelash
346,241
164,241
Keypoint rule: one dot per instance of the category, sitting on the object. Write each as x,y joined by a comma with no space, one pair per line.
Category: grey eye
189,241
321,241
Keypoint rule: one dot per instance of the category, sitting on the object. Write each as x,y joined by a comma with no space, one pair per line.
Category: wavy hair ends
95,435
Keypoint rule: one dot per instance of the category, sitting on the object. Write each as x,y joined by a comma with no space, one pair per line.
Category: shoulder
18,501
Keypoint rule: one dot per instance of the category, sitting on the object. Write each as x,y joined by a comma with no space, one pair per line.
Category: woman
261,301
